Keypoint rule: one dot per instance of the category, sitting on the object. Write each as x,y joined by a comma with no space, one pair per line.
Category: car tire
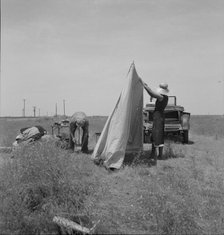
185,137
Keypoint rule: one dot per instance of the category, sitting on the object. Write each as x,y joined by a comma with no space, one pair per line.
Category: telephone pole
34,111
223,91
64,106
222,87
0,67
56,110
24,107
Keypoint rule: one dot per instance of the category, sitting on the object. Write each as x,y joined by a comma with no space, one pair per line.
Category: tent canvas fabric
123,131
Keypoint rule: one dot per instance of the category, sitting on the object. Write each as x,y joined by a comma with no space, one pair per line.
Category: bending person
79,119
161,95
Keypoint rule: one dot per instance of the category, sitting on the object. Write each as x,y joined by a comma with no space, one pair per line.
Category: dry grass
43,181
183,194
180,196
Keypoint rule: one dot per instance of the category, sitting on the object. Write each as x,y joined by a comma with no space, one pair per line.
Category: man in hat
161,95
79,120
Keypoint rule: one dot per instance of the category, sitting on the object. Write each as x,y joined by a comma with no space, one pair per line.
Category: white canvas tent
123,131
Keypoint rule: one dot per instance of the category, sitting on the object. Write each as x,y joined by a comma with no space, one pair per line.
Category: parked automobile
177,121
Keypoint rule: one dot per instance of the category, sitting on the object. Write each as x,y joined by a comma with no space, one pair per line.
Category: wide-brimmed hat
163,89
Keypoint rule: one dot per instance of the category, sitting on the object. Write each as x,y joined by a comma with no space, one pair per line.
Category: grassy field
208,125
9,127
183,194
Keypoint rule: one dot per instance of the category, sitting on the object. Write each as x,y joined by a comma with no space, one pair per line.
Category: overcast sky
80,51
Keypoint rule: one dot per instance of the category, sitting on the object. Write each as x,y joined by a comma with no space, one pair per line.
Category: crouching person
79,120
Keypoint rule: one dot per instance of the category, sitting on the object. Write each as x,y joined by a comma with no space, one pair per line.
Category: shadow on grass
90,151
177,139
135,159
190,142
146,158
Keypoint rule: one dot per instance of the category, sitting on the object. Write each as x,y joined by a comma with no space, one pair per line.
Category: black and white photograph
112,117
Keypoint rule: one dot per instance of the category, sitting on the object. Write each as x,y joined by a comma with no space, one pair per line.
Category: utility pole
24,107
64,106
223,95
34,111
222,84
56,110
0,66
223,92
39,112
